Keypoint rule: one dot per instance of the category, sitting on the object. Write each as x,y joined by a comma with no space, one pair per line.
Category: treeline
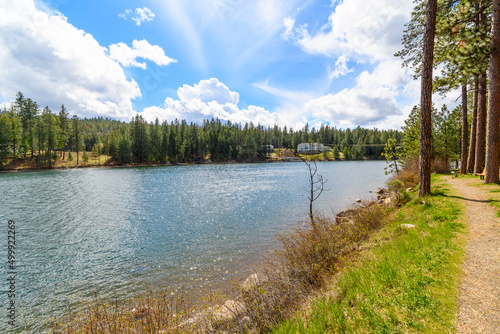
461,39
25,130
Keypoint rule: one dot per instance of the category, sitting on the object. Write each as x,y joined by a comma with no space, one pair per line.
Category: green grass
408,281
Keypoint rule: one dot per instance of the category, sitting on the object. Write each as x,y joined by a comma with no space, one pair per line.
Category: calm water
119,230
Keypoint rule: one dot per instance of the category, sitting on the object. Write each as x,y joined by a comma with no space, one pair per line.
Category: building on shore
310,147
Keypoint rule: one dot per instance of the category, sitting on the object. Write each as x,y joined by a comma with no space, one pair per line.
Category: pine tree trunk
472,145
481,125
463,157
492,164
426,99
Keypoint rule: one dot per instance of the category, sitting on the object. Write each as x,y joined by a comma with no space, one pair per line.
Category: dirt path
479,294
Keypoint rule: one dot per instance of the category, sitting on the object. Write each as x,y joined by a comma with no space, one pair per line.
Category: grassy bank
406,283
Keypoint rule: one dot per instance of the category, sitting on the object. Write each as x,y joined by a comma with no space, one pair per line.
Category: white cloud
369,32
127,56
139,16
341,68
363,28
53,62
372,102
209,99
289,24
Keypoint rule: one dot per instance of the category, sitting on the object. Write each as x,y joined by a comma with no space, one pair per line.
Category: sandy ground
479,294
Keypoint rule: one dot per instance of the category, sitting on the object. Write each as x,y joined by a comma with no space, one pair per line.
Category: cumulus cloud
371,102
209,99
139,16
364,28
368,32
341,68
53,62
127,56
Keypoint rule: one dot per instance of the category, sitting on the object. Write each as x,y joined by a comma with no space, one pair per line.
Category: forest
26,132
459,41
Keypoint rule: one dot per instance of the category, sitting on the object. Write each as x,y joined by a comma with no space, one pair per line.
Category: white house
312,147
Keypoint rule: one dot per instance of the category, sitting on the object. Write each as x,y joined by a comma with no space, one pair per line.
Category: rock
358,200
228,311
422,202
407,226
380,191
251,282
344,216
388,201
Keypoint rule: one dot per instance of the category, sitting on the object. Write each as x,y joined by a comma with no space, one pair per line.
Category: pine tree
492,156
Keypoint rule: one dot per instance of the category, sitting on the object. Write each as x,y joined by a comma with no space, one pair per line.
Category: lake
119,230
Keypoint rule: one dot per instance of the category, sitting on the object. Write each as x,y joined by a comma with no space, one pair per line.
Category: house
268,148
310,147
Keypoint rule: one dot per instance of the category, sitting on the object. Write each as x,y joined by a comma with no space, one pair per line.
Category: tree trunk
465,128
473,128
481,125
492,164
426,99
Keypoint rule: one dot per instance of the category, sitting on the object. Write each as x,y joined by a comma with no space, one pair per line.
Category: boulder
380,191
252,281
344,216
228,311
358,200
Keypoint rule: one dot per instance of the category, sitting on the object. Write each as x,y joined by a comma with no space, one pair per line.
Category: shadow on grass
488,201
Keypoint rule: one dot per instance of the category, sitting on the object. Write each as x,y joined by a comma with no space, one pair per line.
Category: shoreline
45,169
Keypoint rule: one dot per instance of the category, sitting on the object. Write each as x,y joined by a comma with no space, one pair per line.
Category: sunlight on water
122,229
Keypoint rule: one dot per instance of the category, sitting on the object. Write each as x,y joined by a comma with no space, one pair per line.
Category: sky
263,61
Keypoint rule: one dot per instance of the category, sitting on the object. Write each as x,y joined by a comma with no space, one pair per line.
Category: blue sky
265,61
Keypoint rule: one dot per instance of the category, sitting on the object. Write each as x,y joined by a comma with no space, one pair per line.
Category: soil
479,292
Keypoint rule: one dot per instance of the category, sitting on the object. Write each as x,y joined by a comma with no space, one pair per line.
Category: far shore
17,169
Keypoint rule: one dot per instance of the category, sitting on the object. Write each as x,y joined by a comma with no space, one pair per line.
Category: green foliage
85,157
393,155
447,134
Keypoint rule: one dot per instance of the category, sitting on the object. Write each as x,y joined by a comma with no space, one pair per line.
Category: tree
28,113
426,99
63,138
480,125
316,187
471,159
85,157
5,136
492,147
77,136
463,152
393,155
52,130
411,135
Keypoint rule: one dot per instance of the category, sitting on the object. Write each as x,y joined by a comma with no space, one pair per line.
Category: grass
407,283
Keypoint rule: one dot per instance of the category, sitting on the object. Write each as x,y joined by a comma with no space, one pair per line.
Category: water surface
118,230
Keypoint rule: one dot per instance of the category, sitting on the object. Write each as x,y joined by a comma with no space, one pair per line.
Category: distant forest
27,131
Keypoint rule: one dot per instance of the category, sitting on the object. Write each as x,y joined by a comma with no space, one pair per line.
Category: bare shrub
408,175
439,167
151,312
